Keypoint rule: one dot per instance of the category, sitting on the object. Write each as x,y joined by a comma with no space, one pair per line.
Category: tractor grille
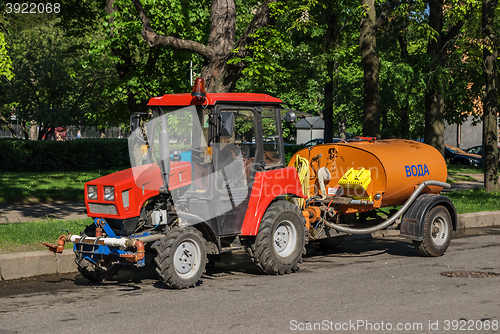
125,198
107,209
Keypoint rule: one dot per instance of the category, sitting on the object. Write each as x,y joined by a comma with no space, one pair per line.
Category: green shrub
290,150
76,155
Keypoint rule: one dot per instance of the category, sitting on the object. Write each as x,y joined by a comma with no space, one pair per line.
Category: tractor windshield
178,143
183,135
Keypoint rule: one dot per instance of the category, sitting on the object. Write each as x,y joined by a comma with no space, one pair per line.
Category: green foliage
75,155
144,71
5,61
51,87
290,150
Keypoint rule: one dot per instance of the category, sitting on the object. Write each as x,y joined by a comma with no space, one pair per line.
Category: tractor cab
224,138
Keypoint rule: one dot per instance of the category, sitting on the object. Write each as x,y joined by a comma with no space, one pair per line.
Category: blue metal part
135,236
99,222
92,252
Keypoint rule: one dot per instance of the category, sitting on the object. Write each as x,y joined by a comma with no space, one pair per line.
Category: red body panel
141,183
211,99
266,187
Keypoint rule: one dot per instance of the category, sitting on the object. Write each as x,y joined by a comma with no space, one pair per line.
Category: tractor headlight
109,193
92,192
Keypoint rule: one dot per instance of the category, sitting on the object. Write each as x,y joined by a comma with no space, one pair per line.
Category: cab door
235,165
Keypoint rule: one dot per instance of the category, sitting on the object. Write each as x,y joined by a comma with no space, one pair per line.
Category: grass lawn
474,200
24,237
45,187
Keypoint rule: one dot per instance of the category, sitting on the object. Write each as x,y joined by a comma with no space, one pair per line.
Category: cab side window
272,153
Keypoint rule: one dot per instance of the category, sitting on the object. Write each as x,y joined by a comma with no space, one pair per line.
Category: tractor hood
121,195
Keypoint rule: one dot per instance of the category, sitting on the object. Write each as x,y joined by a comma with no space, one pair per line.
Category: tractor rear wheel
280,242
437,233
96,273
181,258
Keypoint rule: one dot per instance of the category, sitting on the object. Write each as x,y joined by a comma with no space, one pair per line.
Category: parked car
457,156
479,151
318,141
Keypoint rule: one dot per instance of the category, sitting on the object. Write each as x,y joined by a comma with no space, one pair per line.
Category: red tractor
209,176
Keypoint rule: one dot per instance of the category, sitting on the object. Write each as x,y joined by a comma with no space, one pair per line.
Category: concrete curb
27,264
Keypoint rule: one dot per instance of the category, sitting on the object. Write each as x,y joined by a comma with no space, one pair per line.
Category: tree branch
389,6
260,19
153,39
9,126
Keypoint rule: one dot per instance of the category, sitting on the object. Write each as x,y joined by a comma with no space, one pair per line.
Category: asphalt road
367,286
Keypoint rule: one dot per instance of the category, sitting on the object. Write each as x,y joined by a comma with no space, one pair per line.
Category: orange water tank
384,172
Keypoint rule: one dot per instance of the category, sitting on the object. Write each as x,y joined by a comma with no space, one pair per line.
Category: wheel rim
187,258
439,231
285,238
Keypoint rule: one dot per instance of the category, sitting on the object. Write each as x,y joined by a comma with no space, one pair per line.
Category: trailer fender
412,223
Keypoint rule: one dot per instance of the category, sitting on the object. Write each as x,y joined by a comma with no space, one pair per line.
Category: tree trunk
490,100
25,130
329,45
404,117
434,121
33,130
371,70
434,103
8,126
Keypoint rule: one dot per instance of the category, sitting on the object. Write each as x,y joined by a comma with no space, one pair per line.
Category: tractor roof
187,99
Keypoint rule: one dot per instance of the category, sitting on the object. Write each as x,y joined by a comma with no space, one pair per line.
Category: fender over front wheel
280,242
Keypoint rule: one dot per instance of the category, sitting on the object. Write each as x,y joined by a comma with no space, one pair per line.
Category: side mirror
135,120
290,117
226,124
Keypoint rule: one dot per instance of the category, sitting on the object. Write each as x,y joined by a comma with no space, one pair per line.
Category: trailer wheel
280,242
181,258
437,233
96,273
332,242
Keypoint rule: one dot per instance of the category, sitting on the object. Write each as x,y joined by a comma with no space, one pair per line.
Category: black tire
280,242
181,258
332,242
97,273
437,233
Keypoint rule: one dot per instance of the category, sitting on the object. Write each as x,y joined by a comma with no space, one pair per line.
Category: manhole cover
469,274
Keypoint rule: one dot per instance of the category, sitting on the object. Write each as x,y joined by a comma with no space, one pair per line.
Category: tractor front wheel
280,242
97,273
181,258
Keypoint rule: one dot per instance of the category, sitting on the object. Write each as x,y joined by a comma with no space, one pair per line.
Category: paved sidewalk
20,213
